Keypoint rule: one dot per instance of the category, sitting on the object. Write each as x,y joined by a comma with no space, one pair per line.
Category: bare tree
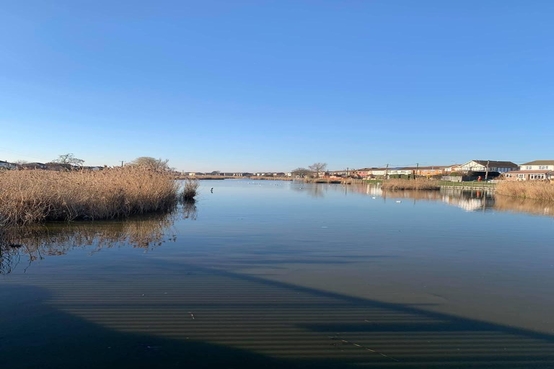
151,163
318,168
69,159
301,172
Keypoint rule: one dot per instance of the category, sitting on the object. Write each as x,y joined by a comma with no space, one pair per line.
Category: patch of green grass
467,184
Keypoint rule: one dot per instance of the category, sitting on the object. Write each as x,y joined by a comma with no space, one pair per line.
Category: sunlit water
275,274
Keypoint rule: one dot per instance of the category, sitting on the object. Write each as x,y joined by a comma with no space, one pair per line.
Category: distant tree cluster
312,171
318,168
69,159
151,163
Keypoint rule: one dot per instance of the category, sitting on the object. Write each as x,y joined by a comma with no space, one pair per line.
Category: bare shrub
190,189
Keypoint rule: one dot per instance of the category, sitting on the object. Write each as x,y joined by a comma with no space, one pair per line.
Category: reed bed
190,189
34,196
536,190
410,184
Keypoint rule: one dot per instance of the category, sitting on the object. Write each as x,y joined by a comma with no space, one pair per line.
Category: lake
287,274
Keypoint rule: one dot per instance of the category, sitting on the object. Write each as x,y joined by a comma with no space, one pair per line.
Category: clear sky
257,85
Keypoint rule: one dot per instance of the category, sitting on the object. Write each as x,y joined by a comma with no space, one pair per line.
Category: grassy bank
536,190
475,184
410,184
33,196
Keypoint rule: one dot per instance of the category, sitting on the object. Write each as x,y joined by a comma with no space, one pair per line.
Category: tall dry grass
410,184
190,189
32,196
536,190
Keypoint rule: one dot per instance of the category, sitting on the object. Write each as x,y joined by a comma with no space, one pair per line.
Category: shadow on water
20,246
34,335
209,318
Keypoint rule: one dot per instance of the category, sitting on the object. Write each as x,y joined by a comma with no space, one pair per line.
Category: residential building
427,171
6,165
489,166
533,171
538,165
454,168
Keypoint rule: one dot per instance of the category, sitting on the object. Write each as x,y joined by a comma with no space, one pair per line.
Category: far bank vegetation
35,196
536,190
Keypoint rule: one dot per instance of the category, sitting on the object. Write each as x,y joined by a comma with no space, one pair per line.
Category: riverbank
35,196
536,190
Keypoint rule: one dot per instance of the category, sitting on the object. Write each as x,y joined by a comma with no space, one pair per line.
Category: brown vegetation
32,196
190,189
407,184
536,190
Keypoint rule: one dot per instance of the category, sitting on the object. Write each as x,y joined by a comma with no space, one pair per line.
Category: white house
538,165
376,172
400,172
6,165
532,171
489,166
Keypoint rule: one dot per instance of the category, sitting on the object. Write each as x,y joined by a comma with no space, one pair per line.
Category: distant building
33,166
533,171
428,171
489,166
6,165
454,168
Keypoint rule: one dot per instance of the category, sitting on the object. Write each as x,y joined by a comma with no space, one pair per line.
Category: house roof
540,162
497,164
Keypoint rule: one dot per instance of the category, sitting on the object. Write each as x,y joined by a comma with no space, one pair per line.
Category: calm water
275,274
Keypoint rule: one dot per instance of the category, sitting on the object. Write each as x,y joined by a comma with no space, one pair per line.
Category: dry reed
536,190
33,196
190,189
413,184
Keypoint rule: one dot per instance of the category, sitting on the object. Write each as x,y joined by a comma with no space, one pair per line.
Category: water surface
287,273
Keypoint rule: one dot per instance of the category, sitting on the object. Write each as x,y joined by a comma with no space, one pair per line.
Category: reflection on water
312,189
23,245
469,200
503,203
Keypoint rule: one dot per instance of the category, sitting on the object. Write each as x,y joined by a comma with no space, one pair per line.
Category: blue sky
275,85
